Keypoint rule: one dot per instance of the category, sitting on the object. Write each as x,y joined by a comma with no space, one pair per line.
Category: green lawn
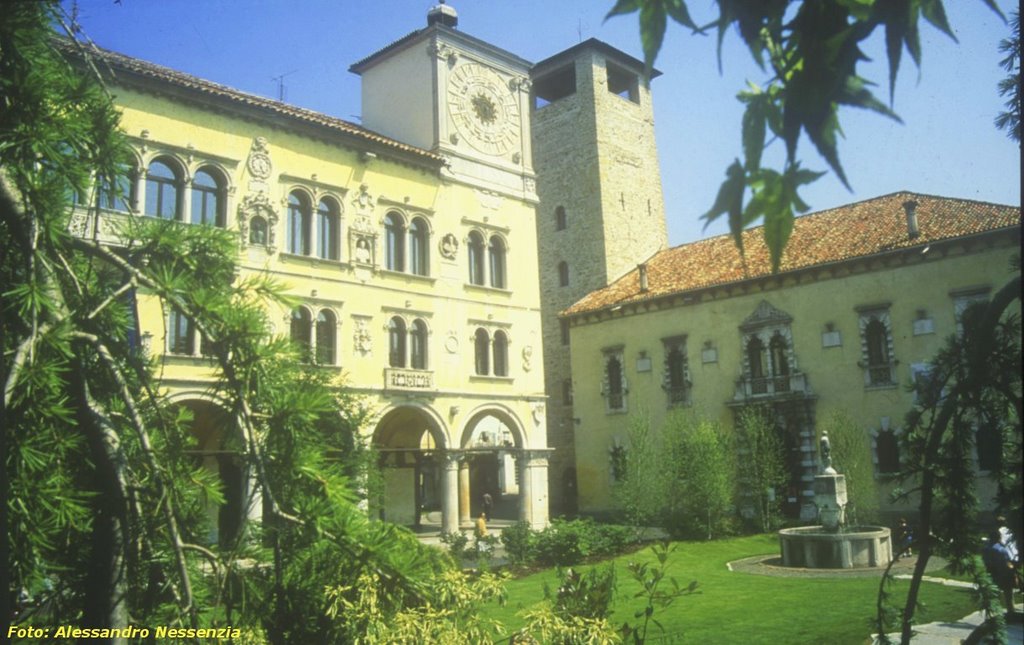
745,608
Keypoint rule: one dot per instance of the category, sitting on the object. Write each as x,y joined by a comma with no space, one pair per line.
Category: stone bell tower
601,210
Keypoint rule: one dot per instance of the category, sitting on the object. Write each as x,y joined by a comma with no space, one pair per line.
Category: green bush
564,542
560,544
517,539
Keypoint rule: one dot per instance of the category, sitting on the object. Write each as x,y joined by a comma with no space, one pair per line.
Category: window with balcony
418,345
208,198
769,363
164,187
396,342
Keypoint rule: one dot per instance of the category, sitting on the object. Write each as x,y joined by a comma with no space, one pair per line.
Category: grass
744,608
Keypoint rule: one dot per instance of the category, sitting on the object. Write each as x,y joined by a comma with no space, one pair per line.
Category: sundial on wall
484,110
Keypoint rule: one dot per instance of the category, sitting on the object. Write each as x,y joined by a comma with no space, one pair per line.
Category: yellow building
410,242
866,295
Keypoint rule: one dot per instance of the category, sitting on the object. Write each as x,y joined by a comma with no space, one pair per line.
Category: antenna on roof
280,84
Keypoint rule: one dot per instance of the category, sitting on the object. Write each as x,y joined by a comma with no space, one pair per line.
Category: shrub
518,539
457,543
560,544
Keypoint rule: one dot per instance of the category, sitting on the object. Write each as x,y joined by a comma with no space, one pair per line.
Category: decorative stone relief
259,163
528,358
451,343
448,246
363,204
538,413
257,221
362,340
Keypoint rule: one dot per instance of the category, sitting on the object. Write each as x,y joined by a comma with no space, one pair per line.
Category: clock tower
441,89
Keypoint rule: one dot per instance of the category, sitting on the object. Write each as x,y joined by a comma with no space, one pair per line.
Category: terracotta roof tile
857,230
119,62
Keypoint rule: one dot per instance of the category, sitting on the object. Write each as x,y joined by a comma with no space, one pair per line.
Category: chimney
910,206
442,14
642,268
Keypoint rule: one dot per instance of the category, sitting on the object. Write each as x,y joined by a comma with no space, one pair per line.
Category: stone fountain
832,544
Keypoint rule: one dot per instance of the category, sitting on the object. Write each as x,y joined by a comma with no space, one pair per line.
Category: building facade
865,297
410,244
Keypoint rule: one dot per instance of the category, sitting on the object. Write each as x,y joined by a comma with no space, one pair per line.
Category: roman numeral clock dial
483,109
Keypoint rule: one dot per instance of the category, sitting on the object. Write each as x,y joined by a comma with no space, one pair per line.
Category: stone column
450,498
464,497
525,486
533,487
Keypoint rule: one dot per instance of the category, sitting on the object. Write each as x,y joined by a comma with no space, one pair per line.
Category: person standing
488,503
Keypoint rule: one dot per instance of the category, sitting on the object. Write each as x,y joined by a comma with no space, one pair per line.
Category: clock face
484,110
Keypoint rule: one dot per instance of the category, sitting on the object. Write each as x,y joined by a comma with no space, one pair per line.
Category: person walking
1000,566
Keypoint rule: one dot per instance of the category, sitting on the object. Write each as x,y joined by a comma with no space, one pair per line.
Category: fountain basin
813,547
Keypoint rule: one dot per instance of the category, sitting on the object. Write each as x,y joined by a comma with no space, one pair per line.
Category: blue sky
946,146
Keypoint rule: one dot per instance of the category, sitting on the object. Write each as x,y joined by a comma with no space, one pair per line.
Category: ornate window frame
614,391
877,374
676,394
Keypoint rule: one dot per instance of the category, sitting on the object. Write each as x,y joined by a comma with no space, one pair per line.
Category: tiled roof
120,63
859,230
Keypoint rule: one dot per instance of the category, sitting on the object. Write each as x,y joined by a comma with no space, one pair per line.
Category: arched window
563,274
418,336
500,347
207,198
181,334
475,249
613,372
482,346
497,253
396,342
326,331
298,223
163,190
394,242
560,219
887,449
118,194
258,230
780,360
756,358
419,234
301,331
327,225
877,339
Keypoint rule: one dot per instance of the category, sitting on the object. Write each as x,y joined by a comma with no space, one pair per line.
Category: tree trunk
105,578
